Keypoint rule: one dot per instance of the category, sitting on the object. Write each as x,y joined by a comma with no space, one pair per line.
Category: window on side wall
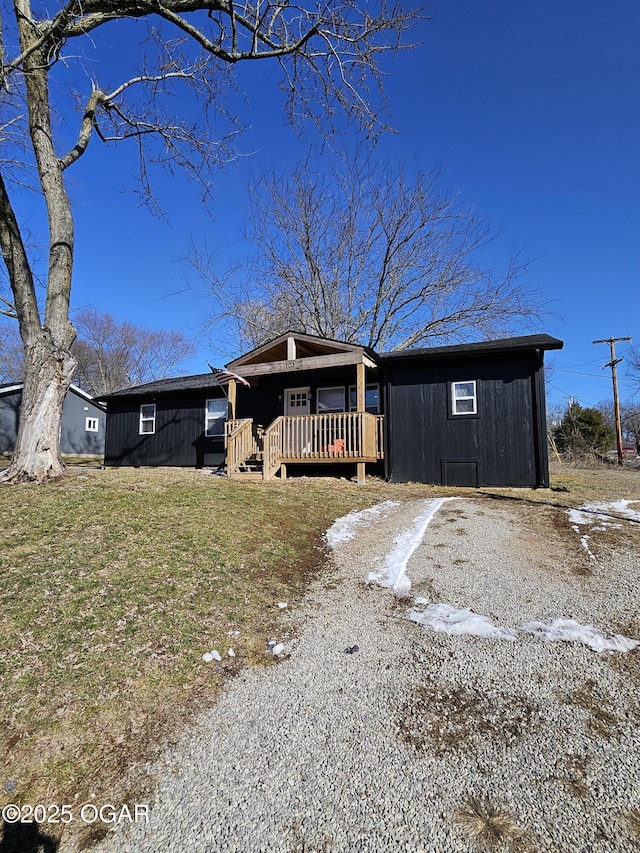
464,398
147,419
371,399
330,399
91,425
215,417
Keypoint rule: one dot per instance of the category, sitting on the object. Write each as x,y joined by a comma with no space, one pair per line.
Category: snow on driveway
460,621
372,733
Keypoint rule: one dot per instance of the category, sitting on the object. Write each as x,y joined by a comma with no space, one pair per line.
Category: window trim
368,387
147,419
474,397
208,419
89,422
329,388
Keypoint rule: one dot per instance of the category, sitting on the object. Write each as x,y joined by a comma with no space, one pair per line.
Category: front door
297,435
297,401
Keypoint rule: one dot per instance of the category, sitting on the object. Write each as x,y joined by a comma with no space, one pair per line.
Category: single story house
83,421
463,415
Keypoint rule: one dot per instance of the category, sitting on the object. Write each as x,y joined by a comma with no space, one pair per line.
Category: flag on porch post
221,375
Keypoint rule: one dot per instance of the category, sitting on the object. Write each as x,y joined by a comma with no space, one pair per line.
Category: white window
91,424
371,399
215,414
330,399
464,399
147,419
297,401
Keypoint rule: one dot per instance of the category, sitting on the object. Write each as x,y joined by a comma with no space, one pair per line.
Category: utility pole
614,377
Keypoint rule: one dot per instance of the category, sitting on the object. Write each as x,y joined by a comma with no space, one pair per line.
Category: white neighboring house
83,421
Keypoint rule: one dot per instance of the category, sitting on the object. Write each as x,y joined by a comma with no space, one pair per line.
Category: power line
567,367
578,373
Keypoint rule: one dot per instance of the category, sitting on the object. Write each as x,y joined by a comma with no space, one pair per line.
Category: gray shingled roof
203,381
164,386
525,342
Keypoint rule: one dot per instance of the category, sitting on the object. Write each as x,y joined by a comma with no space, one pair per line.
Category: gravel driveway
381,749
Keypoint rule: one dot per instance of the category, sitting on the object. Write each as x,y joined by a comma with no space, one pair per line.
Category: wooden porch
338,437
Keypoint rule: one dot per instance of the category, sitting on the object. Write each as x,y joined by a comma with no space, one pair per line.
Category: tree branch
371,257
15,257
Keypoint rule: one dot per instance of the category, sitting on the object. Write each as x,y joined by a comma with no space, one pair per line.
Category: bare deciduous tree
114,355
109,355
367,254
633,369
630,415
329,54
629,420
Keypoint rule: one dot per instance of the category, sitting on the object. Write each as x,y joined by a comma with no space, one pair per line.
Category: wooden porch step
247,476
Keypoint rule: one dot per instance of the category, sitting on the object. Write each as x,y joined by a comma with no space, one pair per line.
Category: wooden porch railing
240,443
335,436
272,449
379,436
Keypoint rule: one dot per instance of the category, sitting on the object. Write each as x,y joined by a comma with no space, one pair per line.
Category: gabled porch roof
294,351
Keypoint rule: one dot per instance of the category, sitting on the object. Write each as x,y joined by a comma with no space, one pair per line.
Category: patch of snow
208,657
573,632
464,622
278,649
393,573
577,517
584,541
282,605
344,529
451,620
598,516
231,653
601,512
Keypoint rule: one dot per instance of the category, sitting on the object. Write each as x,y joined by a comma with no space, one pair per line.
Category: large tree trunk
48,372
48,364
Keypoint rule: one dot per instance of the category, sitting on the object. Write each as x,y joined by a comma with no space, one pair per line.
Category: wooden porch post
360,407
232,399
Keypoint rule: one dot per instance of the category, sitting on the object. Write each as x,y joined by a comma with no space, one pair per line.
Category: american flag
222,375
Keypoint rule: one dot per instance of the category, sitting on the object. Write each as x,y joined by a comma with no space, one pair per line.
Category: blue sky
532,110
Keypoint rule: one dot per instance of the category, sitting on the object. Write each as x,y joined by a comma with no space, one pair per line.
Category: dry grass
113,584
574,775
442,718
632,819
602,720
487,825
574,486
